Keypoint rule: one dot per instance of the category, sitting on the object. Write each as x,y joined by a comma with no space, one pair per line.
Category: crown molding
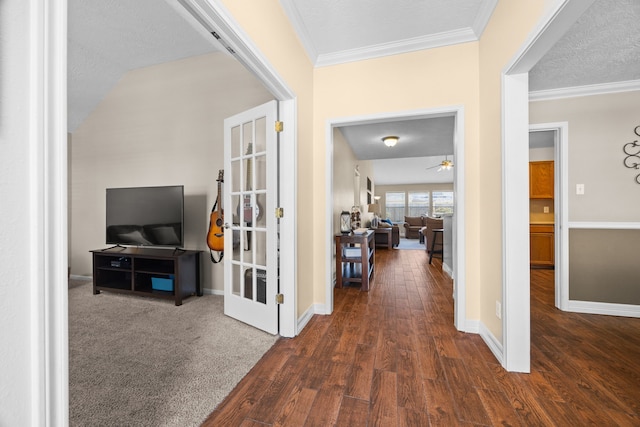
482,17
587,90
464,35
301,30
448,38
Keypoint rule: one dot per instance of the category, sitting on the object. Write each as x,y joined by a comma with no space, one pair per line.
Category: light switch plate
579,189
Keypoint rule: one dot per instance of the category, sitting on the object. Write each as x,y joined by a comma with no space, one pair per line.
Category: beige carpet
136,361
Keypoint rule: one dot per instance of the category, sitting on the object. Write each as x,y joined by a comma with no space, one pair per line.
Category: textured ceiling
603,46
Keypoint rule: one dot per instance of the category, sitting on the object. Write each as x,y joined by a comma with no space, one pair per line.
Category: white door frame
516,327
48,237
561,208
214,16
459,251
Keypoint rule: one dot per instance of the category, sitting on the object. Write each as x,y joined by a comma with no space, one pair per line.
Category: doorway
548,141
458,241
215,18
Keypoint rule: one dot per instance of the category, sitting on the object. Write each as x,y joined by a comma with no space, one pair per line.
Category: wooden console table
358,266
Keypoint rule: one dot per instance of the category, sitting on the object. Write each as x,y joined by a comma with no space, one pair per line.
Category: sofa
413,225
427,231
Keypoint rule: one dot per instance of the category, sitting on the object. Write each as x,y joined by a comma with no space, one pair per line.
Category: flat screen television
145,216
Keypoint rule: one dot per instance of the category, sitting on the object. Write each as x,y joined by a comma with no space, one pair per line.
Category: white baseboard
494,345
447,270
79,277
472,326
609,309
208,291
308,314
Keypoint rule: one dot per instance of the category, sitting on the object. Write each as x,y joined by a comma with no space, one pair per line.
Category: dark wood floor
391,357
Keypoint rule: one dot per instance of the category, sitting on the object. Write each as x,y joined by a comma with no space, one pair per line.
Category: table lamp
375,210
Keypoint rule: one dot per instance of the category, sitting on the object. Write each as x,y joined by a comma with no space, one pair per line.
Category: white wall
160,125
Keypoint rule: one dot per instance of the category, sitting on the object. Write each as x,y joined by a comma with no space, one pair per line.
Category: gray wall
604,266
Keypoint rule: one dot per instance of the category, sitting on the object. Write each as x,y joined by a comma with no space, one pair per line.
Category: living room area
403,199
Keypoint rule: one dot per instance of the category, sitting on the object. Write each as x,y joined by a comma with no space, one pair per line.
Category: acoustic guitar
215,236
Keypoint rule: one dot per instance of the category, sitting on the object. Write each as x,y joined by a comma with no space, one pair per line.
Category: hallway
392,357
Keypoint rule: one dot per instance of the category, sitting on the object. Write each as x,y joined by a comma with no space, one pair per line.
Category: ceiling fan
446,164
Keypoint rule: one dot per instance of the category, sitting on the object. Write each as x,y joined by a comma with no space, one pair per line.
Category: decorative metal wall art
632,150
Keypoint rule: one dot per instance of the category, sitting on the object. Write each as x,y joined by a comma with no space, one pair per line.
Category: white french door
251,229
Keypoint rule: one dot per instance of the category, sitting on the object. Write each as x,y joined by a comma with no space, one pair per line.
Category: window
442,202
418,203
394,205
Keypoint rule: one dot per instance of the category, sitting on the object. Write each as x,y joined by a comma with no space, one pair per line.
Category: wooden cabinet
355,255
541,245
541,180
134,270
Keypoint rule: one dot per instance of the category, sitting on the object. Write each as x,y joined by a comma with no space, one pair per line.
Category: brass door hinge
279,299
279,212
279,126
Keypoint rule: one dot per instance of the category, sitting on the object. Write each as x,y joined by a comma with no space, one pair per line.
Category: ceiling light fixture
390,141
446,164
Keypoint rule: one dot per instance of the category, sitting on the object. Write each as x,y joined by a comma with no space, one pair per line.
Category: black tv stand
132,270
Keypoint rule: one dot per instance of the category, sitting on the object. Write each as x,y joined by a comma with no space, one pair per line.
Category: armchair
412,226
430,224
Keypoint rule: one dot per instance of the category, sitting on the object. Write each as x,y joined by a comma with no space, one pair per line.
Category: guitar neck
249,174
